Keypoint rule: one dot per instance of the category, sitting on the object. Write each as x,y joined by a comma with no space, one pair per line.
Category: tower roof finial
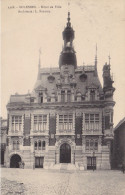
68,6
96,56
96,49
109,58
68,19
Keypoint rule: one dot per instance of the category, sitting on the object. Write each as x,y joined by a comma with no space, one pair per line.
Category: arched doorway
65,153
14,161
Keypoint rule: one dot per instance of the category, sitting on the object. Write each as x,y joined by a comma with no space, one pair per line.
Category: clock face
68,44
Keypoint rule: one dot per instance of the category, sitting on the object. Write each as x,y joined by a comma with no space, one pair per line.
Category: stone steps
64,167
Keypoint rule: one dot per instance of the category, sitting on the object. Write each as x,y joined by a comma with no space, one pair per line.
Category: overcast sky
94,21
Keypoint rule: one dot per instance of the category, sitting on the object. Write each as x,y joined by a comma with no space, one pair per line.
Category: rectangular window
91,121
40,122
91,145
16,123
65,122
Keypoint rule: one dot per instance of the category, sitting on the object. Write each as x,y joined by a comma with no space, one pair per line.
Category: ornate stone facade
68,117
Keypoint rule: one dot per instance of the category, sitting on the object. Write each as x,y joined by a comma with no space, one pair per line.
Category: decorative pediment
92,86
78,91
40,88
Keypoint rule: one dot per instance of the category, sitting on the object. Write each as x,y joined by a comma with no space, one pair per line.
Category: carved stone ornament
78,113
65,140
52,113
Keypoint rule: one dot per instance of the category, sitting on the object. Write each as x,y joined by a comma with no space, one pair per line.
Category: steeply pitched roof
119,124
92,80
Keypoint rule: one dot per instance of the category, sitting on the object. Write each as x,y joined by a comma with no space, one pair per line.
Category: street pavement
43,182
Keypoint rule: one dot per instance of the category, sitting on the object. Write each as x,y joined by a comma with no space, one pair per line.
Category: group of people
21,165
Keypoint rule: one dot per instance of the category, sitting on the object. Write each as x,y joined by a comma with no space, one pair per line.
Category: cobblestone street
42,182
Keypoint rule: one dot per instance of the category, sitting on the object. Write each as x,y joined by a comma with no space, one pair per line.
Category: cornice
57,105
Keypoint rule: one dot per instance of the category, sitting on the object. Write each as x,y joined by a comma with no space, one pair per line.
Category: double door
91,163
65,153
39,162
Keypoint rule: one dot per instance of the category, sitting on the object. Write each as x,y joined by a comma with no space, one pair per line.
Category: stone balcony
65,132
14,150
15,133
39,152
92,132
109,134
39,133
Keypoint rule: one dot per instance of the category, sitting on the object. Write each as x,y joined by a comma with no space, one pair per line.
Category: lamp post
74,157
34,160
93,160
55,157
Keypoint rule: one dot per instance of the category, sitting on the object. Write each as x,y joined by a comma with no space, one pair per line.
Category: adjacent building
119,145
68,117
3,139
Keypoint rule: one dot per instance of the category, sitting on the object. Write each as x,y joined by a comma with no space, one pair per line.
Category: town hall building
67,119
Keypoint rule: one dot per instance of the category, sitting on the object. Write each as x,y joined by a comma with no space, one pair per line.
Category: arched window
39,145
35,145
43,145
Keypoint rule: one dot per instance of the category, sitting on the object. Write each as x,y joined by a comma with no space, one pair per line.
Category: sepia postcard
62,97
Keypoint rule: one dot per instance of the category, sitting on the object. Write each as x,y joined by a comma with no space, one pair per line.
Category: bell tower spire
68,19
68,53
109,59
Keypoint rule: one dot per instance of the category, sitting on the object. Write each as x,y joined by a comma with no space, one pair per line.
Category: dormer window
62,96
68,96
41,97
92,95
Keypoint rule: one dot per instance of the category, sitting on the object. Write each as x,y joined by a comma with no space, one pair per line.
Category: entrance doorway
14,161
91,163
2,157
39,162
65,153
